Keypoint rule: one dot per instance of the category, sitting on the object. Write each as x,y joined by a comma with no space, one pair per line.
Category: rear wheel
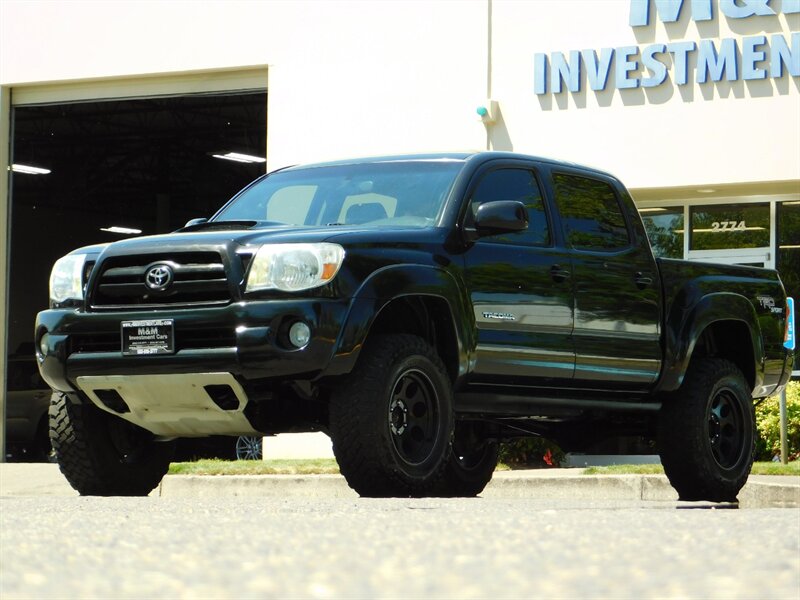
707,432
392,422
472,461
103,455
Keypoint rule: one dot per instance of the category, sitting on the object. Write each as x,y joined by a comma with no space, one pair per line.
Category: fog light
44,345
299,334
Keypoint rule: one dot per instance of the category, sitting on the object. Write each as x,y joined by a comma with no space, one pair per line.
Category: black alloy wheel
706,432
413,416
726,429
391,422
248,447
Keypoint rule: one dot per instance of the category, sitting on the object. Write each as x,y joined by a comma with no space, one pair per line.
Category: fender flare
682,333
388,284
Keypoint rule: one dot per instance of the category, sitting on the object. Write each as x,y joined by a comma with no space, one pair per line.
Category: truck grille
196,279
185,339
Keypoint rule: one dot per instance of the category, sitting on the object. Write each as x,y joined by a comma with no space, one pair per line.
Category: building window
723,226
788,255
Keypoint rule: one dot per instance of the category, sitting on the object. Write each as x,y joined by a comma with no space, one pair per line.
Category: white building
695,105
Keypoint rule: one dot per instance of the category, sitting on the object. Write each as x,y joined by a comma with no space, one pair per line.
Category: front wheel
707,432
392,422
103,455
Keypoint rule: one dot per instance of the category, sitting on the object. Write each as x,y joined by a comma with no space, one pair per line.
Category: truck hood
196,240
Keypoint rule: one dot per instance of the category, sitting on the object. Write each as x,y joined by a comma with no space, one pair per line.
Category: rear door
617,296
520,286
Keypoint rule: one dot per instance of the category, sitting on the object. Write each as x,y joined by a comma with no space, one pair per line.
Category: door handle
642,280
558,273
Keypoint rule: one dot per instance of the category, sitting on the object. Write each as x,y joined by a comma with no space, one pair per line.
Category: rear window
590,213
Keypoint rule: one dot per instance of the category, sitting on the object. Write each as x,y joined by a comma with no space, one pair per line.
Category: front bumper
246,339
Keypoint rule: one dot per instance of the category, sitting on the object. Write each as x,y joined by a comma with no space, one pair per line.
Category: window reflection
664,228
788,255
520,185
729,226
591,213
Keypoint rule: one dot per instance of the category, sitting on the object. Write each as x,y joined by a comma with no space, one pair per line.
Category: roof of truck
480,156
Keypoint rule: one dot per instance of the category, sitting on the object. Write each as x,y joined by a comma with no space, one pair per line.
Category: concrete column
5,149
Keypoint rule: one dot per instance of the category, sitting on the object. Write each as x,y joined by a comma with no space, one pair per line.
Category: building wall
358,78
668,135
345,77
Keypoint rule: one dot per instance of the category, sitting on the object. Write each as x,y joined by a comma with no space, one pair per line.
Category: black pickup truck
419,309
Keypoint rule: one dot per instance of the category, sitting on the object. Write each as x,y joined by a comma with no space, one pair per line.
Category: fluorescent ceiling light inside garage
649,210
122,230
239,157
29,170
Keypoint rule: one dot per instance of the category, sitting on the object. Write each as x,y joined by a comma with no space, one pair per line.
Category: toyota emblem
158,277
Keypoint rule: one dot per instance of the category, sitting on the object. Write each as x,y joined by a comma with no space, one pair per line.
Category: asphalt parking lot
221,538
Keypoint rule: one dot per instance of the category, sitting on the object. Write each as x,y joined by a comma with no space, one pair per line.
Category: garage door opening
95,172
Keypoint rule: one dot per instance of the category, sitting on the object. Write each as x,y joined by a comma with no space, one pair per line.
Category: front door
521,290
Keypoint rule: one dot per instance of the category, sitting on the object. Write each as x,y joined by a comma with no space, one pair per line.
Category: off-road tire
103,455
391,422
706,432
472,462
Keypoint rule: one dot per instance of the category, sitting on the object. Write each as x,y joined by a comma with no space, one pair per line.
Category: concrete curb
265,486
565,484
520,484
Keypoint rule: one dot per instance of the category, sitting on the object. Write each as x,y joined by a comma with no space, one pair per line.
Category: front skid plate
173,405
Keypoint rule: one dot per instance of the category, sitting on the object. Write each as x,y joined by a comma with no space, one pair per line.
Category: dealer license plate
155,336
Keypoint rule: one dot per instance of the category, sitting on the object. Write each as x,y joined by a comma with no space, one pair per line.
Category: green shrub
768,421
531,452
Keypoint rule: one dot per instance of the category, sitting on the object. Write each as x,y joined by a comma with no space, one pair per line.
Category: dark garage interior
131,165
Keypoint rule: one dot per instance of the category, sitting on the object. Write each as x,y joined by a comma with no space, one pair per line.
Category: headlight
294,267
66,279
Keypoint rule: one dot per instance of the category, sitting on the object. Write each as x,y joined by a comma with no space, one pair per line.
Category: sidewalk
32,479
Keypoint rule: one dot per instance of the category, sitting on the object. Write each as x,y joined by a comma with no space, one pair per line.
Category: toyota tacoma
420,310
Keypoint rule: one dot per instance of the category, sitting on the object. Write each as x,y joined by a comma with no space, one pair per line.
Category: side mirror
502,216
192,222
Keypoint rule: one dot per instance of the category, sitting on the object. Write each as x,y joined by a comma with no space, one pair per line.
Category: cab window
591,213
520,185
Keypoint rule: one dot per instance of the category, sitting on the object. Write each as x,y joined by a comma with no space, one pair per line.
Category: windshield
397,193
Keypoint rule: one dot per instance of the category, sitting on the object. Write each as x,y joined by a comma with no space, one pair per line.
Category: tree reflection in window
591,213
665,231
733,226
788,263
